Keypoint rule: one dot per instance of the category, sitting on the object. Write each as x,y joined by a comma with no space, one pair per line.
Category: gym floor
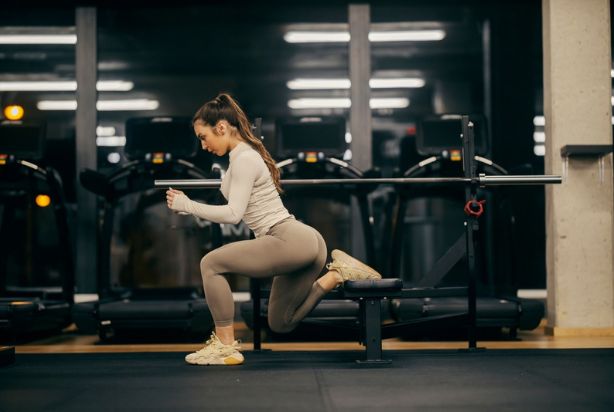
76,372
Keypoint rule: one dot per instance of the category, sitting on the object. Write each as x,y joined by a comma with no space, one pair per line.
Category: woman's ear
220,128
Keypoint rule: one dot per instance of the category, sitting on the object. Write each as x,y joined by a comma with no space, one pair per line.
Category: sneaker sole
229,361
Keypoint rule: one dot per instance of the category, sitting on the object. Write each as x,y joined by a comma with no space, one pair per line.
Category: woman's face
212,139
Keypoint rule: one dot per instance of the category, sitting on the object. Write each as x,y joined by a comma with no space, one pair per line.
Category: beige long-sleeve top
249,189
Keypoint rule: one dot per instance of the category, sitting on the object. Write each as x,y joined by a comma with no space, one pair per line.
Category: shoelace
215,345
334,265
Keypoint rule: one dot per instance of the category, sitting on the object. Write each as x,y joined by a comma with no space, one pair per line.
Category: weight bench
369,294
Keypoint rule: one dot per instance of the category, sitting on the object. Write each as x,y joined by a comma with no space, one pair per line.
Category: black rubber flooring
493,380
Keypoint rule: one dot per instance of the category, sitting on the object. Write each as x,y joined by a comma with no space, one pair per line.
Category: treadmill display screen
311,134
173,135
22,141
436,135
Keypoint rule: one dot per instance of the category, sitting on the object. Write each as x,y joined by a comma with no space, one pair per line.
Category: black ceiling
185,54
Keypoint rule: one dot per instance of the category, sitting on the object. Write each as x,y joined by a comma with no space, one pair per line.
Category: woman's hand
171,194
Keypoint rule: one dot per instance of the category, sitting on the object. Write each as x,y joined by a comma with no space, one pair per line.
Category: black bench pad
379,284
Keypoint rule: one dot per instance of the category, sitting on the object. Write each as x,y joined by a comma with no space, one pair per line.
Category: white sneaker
351,268
216,353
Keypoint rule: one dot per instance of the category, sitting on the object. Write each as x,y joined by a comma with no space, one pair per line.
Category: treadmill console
160,139
441,136
310,139
20,140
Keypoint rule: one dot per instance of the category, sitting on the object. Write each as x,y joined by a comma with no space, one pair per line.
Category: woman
285,248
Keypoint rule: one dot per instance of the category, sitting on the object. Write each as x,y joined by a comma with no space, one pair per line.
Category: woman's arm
244,174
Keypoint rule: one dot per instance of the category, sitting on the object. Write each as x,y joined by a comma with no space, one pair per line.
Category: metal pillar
86,67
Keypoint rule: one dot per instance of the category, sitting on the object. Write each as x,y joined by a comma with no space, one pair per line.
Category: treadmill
425,225
313,148
36,255
132,303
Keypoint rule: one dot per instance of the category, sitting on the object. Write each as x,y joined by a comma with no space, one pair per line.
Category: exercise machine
157,147
435,221
36,255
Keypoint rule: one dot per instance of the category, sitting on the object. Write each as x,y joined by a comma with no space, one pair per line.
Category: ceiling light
344,103
401,83
539,121
103,131
38,39
374,36
114,86
389,103
114,157
407,35
111,141
314,84
317,37
136,104
103,105
328,84
325,103
539,150
57,105
539,137
13,112
63,86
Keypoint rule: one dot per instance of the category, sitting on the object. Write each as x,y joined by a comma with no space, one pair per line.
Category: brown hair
224,107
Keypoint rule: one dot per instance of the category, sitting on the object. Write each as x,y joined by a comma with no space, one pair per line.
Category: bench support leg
370,312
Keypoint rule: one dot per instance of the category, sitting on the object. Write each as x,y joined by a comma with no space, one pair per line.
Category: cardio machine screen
24,141
173,135
310,134
440,134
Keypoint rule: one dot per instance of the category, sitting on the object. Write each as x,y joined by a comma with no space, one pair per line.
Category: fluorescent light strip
328,84
317,37
344,103
318,84
111,141
105,131
374,36
539,121
136,104
539,137
114,86
401,83
329,103
57,105
38,39
389,103
104,105
411,35
539,150
63,86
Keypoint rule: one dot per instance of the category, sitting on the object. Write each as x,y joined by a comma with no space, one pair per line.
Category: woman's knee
280,325
207,264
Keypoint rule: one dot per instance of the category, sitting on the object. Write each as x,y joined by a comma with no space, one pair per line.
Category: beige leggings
291,251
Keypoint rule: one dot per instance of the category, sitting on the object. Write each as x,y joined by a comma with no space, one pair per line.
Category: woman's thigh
293,247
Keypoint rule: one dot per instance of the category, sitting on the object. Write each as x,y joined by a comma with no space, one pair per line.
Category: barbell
481,180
